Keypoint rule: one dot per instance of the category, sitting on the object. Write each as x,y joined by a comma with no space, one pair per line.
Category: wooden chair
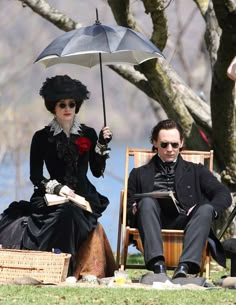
172,239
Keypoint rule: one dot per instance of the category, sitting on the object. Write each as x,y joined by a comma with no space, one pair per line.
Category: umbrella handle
103,95
97,20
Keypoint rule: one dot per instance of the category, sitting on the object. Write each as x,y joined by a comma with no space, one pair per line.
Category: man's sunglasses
63,105
174,144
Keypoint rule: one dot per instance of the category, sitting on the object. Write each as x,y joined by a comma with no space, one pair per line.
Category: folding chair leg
118,250
124,251
117,260
208,261
123,259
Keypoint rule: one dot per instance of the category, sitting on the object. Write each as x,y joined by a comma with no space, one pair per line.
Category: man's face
168,144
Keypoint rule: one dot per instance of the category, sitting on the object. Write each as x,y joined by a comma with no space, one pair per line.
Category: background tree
163,85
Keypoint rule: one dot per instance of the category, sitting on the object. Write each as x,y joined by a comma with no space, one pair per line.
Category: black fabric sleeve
37,161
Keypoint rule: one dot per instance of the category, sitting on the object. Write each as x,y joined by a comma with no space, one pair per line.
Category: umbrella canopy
98,44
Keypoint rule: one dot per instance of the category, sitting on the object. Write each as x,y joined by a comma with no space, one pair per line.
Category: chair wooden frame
140,157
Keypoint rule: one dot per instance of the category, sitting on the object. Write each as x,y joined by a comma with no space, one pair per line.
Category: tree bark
223,93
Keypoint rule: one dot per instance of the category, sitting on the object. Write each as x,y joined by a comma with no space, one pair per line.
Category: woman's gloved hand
105,136
54,187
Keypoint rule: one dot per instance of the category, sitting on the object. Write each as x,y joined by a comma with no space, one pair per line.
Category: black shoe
181,271
159,267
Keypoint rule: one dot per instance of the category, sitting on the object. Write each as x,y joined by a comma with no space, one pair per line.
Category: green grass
24,295
102,295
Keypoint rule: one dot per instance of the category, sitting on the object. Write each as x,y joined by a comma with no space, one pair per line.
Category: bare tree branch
51,14
159,21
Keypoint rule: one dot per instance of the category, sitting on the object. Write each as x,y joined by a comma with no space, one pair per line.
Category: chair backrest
143,156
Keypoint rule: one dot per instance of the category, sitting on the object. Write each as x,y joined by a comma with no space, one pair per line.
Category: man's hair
61,87
166,124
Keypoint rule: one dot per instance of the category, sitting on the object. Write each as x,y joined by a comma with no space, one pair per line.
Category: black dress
35,226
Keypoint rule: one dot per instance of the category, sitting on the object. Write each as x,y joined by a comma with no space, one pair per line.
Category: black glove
105,136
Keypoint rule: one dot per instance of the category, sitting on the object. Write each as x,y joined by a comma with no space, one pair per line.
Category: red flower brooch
83,144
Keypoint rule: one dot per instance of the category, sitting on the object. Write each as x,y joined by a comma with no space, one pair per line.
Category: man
231,71
201,197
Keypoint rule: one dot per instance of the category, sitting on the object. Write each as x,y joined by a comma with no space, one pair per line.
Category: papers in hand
52,199
168,202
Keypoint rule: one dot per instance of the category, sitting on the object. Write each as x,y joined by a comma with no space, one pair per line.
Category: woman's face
65,110
168,144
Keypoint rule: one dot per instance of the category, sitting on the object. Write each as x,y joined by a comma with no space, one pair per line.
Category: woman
66,148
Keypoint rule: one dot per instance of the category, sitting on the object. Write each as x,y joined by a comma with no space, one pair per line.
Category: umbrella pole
103,96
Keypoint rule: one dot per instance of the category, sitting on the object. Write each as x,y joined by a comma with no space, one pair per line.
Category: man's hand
231,71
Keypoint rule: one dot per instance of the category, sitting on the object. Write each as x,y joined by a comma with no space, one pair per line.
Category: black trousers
196,226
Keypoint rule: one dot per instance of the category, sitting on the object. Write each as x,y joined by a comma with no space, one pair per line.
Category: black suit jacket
194,184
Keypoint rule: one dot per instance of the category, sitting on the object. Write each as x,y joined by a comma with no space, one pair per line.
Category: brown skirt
95,256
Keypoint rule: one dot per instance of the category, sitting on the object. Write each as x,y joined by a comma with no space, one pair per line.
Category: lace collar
56,128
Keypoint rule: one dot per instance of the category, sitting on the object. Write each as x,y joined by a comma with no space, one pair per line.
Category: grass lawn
24,295
102,295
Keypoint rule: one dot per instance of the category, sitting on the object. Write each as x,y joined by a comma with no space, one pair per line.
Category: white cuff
50,186
102,149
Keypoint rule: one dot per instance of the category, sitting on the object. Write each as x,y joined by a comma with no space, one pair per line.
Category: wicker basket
47,267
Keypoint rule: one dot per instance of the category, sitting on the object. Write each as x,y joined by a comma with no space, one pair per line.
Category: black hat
61,87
